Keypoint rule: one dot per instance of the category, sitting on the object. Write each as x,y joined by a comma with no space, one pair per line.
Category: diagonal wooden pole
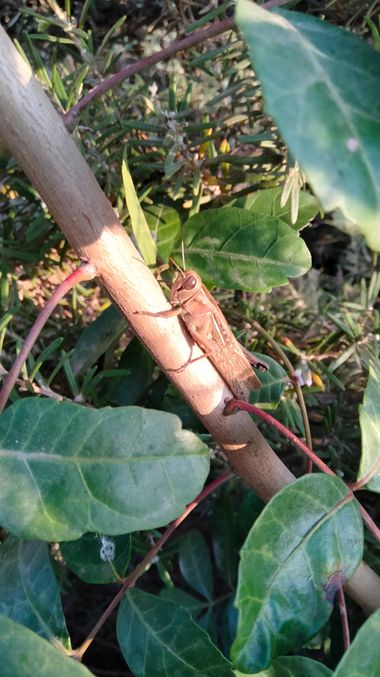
35,134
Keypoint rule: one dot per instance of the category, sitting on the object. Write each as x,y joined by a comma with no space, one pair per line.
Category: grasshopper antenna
176,265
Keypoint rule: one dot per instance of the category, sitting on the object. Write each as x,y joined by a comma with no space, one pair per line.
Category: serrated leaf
235,249
96,339
272,382
195,563
321,85
267,203
96,558
29,591
292,666
143,236
67,469
363,656
165,223
369,415
24,654
158,639
307,542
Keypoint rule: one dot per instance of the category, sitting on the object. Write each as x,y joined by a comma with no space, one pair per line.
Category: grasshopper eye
190,283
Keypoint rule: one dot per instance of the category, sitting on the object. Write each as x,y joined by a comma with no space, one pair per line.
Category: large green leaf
96,558
363,656
96,339
67,469
321,85
267,202
127,389
370,429
236,249
306,543
160,639
292,666
24,654
29,591
195,563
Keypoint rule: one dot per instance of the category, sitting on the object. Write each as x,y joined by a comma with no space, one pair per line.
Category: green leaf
363,656
96,558
165,223
24,654
293,666
267,203
195,563
29,592
321,85
307,542
224,538
159,638
235,249
67,469
192,604
140,228
96,339
128,389
272,382
369,415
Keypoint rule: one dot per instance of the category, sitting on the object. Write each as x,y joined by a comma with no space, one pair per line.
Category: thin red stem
236,405
86,271
191,40
131,580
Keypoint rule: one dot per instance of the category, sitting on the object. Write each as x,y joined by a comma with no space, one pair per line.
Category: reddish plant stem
195,38
344,619
85,271
236,405
131,580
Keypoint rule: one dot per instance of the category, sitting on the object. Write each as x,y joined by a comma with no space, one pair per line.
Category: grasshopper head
185,287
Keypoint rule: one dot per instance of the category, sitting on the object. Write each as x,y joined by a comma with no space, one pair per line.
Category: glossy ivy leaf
95,558
165,223
96,339
175,404
195,563
267,203
293,666
363,656
236,249
273,384
369,414
126,390
224,538
24,654
307,542
160,639
29,591
67,469
192,604
321,85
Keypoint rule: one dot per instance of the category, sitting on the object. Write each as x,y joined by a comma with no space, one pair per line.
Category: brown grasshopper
209,329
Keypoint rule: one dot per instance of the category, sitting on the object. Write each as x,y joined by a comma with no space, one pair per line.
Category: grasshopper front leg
171,312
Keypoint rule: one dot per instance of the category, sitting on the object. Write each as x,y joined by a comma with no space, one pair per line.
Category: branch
35,134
